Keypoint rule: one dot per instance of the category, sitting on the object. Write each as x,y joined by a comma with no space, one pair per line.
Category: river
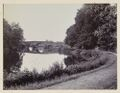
41,62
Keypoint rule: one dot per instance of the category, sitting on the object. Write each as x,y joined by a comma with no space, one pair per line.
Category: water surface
41,61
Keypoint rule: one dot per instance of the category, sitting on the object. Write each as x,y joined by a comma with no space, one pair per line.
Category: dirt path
102,79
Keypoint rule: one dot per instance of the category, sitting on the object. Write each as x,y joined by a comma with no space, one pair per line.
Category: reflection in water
41,61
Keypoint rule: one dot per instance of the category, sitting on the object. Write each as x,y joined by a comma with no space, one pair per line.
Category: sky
42,22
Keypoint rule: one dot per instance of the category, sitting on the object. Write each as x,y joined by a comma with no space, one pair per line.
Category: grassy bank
56,74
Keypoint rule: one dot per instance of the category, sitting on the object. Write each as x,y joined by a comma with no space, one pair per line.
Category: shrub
85,66
26,77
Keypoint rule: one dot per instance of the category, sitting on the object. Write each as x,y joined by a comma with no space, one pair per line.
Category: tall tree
95,25
12,39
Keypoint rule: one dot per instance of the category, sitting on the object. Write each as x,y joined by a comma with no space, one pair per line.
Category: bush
56,69
85,66
26,77
81,56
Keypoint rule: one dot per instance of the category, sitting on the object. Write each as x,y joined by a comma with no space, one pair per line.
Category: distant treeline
46,46
37,43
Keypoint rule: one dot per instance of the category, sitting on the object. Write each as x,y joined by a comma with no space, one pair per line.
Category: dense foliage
95,26
12,37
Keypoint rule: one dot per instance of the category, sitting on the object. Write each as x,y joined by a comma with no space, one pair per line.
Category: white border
56,2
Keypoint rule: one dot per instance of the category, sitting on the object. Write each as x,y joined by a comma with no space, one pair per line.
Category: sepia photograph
60,46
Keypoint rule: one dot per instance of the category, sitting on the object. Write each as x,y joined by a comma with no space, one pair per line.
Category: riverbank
104,77
69,73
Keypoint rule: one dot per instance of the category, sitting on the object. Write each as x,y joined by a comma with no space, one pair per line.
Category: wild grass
55,74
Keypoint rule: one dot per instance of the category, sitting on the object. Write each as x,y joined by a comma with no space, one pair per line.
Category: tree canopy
95,26
12,40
